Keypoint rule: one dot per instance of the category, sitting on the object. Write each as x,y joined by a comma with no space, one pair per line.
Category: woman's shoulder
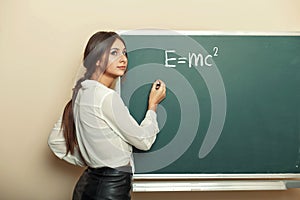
92,84
94,93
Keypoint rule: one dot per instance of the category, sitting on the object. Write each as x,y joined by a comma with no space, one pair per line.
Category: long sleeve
57,144
118,117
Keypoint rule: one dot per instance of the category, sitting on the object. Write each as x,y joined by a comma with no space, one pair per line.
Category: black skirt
104,183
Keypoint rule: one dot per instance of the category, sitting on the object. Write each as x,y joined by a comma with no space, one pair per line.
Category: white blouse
57,144
105,129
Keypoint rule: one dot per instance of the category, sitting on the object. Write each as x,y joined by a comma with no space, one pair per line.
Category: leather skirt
104,183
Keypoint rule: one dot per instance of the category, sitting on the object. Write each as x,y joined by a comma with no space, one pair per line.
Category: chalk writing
192,59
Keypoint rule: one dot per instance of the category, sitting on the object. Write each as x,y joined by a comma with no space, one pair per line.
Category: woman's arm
117,115
119,119
57,144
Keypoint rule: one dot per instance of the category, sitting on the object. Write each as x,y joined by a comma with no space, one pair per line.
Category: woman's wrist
152,107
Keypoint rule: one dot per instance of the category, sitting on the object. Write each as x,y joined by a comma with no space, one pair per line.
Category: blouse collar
92,83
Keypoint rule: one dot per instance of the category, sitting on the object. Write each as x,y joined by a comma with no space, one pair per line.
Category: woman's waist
111,170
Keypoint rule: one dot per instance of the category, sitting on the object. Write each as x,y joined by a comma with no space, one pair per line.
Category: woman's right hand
157,94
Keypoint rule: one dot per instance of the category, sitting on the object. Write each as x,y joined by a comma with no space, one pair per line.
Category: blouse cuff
152,114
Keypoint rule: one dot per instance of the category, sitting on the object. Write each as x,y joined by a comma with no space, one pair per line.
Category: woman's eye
114,53
125,53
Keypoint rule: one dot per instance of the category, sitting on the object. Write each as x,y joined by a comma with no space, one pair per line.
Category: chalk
157,85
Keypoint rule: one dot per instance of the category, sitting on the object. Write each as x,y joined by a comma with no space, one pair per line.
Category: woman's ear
98,63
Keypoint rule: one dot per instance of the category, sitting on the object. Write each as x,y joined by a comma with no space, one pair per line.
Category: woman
97,127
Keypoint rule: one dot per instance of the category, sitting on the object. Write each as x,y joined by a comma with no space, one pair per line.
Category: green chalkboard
232,105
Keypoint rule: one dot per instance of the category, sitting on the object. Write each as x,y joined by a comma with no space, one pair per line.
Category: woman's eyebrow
117,48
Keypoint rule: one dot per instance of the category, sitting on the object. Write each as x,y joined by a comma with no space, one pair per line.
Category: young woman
98,130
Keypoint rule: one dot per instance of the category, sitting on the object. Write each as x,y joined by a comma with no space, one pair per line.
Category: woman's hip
104,183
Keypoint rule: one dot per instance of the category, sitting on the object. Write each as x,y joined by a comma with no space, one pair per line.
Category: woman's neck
104,79
107,81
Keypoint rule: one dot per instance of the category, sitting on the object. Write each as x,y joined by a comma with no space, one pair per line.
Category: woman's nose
123,58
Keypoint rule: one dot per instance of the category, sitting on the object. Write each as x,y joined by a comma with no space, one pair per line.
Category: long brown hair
97,49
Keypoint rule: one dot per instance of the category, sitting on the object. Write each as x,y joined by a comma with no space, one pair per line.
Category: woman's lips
122,67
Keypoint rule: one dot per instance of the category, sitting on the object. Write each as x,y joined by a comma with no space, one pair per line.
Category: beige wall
41,44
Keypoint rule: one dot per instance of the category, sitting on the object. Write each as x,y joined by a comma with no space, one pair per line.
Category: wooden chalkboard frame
171,176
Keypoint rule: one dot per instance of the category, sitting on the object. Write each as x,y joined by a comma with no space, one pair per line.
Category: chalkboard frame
217,176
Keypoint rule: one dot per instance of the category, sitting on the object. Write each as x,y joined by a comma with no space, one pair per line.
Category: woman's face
117,60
